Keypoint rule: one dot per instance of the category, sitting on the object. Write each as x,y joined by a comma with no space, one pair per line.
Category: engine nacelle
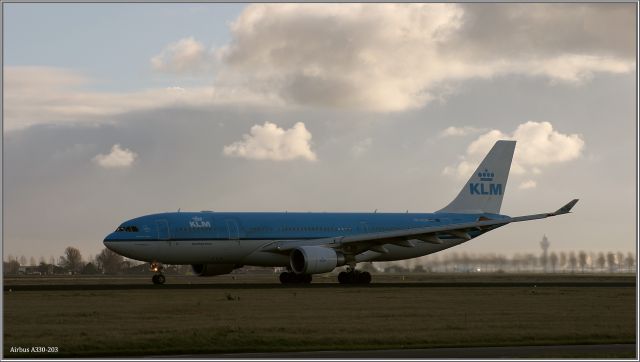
207,270
314,259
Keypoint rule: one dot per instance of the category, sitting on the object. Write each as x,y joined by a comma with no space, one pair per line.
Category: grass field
170,321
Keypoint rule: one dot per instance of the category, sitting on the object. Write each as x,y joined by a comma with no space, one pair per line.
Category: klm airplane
216,243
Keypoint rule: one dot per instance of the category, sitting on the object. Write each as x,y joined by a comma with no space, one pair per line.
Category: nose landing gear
158,278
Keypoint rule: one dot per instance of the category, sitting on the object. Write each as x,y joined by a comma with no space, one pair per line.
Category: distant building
29,270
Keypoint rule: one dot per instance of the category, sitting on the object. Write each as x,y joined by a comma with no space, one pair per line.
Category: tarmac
71,287
566,351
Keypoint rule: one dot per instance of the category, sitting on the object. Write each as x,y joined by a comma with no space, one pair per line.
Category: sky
112,111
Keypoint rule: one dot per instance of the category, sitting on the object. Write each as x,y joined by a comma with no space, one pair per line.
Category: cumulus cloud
459,131
270,142
186,55
393,57
117,158
340,55
539,145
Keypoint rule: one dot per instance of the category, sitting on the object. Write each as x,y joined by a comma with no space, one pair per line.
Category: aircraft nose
108,238
109,242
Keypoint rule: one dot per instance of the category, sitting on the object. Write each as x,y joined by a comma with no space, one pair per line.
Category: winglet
566,208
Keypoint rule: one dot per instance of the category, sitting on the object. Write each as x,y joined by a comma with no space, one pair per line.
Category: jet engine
207,270
315,259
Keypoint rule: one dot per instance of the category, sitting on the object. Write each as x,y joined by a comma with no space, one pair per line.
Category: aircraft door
232,229
163,229
364,227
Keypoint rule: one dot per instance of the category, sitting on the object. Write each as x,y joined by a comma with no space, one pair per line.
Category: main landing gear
158,278
293,278
352,276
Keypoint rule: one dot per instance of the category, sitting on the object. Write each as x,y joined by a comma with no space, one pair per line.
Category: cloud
522,30
117,158
459,131
577,68
539,145
361,147
183,56
270,142
529,184
46,95
394,57
370,57
338,55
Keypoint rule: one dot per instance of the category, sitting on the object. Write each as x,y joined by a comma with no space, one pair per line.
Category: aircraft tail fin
485,189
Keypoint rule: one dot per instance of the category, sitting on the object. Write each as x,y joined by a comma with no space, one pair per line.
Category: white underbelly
189,251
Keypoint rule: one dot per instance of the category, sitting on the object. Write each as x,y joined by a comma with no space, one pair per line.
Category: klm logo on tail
485,187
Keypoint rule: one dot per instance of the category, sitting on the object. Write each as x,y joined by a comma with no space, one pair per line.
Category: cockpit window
130,229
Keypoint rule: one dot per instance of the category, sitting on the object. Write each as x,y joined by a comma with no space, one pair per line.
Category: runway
72,287
602,350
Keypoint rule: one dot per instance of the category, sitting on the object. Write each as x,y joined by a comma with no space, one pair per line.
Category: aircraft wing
355,244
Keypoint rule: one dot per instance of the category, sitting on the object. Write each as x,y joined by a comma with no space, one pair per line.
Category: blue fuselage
238,237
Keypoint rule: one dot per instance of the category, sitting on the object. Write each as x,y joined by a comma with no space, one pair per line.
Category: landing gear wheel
158,279
285,278
354,277
343,278
364,278
161,279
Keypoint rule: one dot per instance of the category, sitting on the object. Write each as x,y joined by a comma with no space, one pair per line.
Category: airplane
216,243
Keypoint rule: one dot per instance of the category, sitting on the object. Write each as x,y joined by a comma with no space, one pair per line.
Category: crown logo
486,175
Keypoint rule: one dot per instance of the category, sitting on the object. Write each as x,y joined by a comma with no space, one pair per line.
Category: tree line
109,262
553,262
70,262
